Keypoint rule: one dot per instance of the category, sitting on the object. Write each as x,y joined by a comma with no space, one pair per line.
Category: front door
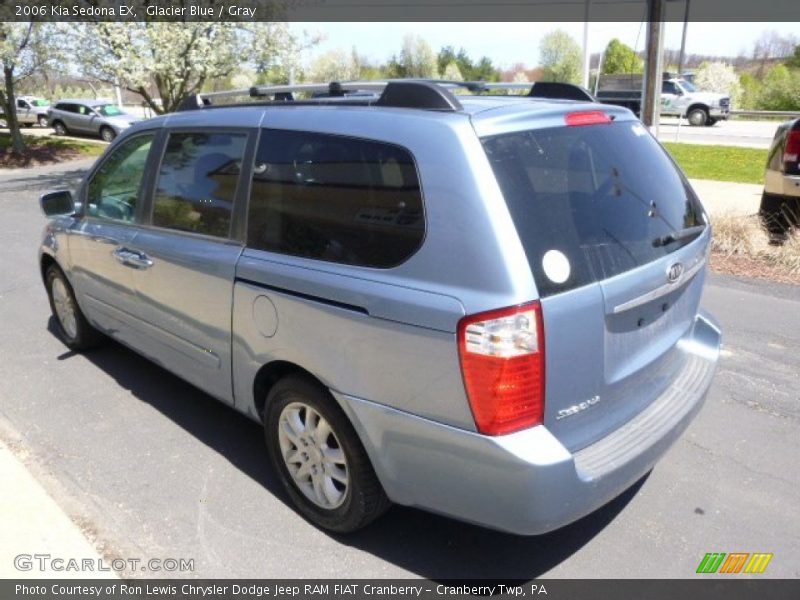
100,242
186,293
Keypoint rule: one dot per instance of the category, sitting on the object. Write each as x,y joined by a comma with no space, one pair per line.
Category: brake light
791,153
502,362
586,117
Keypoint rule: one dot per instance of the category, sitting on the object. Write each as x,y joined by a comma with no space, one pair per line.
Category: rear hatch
616,240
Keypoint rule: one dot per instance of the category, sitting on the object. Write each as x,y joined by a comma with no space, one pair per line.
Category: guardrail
766,113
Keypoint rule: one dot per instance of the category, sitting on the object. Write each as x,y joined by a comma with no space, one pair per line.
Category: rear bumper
780,184
528,482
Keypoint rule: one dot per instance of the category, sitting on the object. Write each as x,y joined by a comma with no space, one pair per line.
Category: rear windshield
591,202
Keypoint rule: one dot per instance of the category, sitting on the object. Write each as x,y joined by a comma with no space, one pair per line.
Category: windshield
603,199
687,86
40,102
109,110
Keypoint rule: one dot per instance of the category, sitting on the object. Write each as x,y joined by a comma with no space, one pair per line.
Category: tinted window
114,188
335,198
667,87
66,107
197,182
109,110
601,195
22,104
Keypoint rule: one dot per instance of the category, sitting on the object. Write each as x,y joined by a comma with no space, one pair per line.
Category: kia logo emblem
674,272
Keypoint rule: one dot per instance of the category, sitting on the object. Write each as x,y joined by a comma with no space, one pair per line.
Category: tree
335,65
718,77
751,91
452,72
794,60
181,58
416,59
620,58
560,57
483,70
25,48
780,89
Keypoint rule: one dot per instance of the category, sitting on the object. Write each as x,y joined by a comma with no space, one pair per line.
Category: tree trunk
10,113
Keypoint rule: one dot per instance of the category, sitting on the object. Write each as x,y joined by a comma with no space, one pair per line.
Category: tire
60,128
711,122
697,117
42,121
779,215
332,482
107,134
73,328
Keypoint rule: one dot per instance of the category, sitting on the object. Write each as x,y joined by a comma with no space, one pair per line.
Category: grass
720,163
743,245
45,150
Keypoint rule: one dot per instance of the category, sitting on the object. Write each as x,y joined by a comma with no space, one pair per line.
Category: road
737,132
150,467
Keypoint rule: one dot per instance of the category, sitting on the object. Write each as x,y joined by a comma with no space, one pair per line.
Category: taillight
586,117
502,362
791,153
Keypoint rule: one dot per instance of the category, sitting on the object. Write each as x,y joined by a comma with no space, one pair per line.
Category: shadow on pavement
428,545
45,178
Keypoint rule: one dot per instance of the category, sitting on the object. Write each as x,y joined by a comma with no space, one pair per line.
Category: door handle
132,258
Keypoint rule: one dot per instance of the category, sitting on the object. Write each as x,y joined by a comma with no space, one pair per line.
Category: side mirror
56,204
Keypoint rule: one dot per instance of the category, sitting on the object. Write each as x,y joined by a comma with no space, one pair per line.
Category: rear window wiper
677,236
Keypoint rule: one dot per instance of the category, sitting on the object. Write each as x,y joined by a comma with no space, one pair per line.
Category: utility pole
651,100
586,53
683,39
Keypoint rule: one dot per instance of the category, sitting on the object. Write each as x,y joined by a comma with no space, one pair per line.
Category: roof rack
426,94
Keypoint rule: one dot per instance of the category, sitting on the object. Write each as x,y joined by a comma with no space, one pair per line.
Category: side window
22,104
668,87
197,182
114,188
335,198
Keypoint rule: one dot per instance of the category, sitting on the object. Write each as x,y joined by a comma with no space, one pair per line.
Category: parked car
679,98
97,117
31,110
780,203
485,307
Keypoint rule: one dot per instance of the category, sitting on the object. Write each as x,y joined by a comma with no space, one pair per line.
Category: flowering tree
416,59
179,58
335,65
25,48
560,57
718,77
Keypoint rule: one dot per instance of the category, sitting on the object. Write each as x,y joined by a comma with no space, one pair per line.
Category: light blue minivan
483,306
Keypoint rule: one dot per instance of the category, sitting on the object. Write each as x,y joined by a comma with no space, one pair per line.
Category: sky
510,43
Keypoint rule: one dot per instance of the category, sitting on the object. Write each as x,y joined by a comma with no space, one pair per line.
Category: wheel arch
45,262
699,105
272,372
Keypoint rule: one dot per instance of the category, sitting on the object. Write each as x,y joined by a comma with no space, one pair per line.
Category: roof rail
426,94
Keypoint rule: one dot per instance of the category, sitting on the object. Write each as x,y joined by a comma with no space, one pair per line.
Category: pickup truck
31,110
678,98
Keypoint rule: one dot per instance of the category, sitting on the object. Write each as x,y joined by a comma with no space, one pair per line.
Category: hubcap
65,310
313,455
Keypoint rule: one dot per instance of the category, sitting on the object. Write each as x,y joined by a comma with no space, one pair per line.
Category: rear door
191,247
597,208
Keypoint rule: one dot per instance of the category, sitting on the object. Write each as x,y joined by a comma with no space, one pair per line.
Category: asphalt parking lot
150,467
